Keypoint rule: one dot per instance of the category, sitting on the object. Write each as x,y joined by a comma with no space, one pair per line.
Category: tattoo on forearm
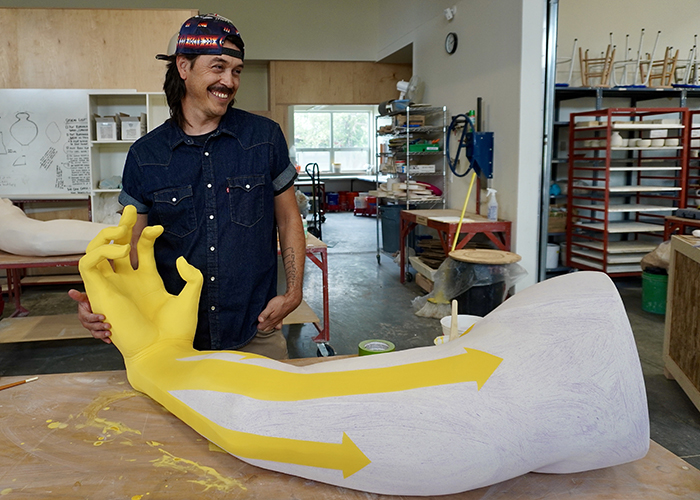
290,267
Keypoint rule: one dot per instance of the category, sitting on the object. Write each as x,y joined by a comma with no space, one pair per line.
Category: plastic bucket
654,287
464,322
552,255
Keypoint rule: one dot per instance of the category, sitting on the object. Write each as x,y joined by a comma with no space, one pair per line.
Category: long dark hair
175,90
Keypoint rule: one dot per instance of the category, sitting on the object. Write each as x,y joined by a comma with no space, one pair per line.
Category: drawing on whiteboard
3,148
53,132
42,130
24,130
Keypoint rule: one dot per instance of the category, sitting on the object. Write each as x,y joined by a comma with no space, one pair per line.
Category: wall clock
451,43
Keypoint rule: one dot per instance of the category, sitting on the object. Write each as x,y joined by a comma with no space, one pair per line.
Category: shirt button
211,216
211,248
174,200
213,308
247,186
212,278
209,186
206,153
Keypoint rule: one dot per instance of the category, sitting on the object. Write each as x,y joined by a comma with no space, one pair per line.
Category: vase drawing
24,130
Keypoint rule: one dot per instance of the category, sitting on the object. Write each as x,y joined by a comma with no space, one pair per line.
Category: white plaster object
22,235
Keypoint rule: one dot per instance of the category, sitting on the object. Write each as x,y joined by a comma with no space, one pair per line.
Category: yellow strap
464,209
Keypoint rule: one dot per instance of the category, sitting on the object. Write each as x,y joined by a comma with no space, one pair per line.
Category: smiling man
220,182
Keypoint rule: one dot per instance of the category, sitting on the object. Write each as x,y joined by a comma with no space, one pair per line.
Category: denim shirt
216,204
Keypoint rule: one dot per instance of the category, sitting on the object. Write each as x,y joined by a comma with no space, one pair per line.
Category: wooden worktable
446,223
89,435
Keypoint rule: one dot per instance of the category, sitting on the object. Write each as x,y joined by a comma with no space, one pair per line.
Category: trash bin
481,300
654,287
487,271
390,216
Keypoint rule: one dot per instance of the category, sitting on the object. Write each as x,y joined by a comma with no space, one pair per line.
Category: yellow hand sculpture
135,302
531,387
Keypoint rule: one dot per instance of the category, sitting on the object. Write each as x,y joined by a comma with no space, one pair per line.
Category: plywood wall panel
314,82
9,77
86,48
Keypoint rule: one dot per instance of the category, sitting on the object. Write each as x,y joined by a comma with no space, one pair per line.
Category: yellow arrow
268,384
344,456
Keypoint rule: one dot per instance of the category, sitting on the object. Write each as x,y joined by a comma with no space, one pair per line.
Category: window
339,138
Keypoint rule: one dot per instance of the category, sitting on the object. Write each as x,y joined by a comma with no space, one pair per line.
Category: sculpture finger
106,236
127,221
144,248
92,261
188,301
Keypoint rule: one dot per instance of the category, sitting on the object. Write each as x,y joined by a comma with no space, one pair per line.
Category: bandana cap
205,35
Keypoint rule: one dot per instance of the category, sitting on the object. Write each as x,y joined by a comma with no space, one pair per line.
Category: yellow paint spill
101,438
6,491
127,443
137,497
106,408
49,420
104,401
98,443
57,425
154,443
207,476
213,447
107,425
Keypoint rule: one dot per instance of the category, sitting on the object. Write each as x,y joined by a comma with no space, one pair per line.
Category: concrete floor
367,301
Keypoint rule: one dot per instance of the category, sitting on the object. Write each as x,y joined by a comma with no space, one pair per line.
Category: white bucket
552,255
464,322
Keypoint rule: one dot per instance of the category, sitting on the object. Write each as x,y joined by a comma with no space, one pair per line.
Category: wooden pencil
13,384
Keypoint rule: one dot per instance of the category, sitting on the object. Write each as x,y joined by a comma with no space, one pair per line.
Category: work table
90,435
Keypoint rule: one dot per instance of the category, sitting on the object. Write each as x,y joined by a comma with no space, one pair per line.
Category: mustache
221,88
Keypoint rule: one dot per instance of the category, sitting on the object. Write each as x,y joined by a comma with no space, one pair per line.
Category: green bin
654,288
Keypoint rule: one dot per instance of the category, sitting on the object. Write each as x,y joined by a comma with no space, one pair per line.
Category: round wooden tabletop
484,256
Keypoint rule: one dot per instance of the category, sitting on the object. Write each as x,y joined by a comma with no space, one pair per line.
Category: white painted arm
22,235
548,382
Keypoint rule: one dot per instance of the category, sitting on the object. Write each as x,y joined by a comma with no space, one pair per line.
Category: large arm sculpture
548,382
22,235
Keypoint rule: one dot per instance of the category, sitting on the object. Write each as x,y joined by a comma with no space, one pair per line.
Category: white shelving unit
619,195
107,157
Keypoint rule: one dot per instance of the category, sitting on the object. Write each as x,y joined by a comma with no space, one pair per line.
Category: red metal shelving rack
619,194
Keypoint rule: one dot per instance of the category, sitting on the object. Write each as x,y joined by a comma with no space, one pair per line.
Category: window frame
369,110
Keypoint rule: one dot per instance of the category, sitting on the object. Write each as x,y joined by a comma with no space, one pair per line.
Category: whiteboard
44,143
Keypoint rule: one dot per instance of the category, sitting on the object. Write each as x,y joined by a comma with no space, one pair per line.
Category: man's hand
91,321
276,310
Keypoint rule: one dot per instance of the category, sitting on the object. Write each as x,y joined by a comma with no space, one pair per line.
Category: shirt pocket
245,196
175,208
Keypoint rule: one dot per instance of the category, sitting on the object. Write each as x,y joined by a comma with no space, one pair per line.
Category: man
220,182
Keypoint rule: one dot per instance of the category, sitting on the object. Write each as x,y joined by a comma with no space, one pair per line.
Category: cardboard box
105,128
132,127
415,121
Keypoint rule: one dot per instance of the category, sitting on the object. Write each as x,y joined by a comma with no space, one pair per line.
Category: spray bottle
492,205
